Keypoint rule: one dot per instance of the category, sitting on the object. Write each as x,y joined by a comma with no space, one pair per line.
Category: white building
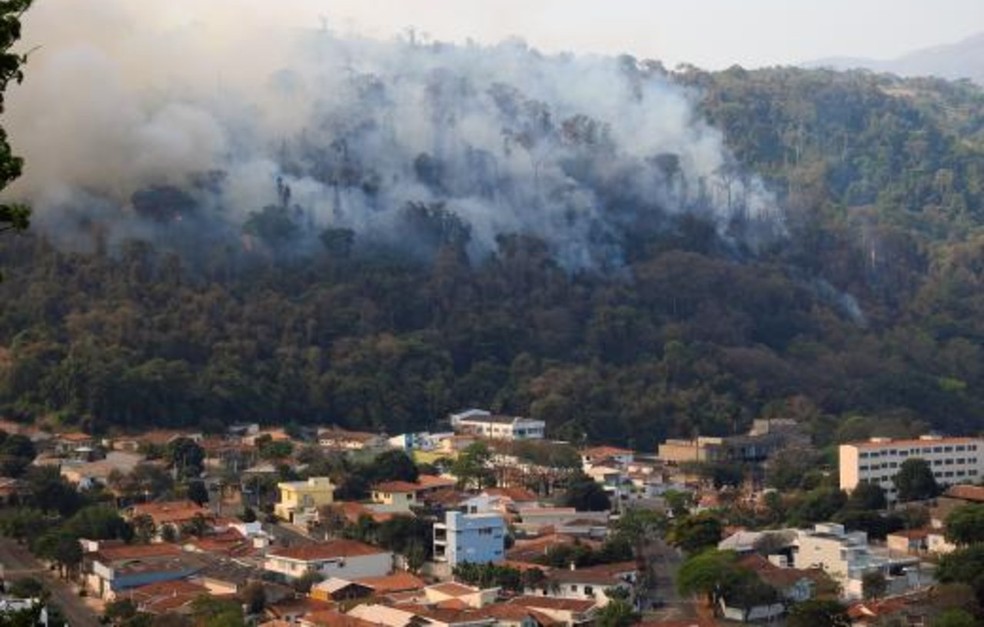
419,441
953,460
847,557
347,559
470,538
483,423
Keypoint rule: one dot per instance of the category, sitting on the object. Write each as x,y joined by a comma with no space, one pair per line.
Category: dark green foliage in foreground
882,185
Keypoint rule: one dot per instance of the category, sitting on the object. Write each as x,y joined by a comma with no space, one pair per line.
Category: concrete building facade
464,538
483,423
953,460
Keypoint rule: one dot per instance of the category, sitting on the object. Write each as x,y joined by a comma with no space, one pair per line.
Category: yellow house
300,500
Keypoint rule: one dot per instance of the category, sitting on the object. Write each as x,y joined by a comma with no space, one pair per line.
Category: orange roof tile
399,581
554,603
396,486
515,494
453,589
333,618
326,550
172,512
434,481
136,551
966,493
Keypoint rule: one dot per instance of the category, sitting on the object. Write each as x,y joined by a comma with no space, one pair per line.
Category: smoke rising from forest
136,122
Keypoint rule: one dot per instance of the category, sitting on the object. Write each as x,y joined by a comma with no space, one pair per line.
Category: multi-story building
300,500
953,460
483,423
470,538
847,557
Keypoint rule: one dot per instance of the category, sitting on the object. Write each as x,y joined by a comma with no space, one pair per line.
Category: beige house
300,500
396,493
346,559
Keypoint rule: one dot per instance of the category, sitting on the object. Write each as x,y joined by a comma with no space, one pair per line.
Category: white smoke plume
122,96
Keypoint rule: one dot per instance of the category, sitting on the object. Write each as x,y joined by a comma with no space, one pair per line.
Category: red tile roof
453,589
353,511
396,486
433,481
166,596
777,576
334,618
554,603
136,551
326,550
397,582
515,494
966,493
170,512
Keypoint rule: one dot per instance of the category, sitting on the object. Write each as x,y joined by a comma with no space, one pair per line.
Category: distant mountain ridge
963,59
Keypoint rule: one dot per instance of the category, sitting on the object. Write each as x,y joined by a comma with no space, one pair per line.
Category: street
18,562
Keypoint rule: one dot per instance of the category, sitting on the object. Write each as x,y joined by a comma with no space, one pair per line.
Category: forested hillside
868,302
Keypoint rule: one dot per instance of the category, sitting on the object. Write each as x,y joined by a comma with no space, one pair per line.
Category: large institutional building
953,460
482,423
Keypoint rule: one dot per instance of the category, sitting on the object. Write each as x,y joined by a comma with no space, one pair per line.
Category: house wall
937,543
312,494
822,552
402,499
355,567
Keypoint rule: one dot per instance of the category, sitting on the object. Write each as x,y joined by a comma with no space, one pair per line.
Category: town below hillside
488,524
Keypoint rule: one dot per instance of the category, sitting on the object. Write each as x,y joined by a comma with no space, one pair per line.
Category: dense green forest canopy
871,304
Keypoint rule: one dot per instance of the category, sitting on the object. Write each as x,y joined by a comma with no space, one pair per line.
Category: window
971,447
961,447
961,460
948,473
937,449
948,462
937,462
863,468
863,456
972,473
588,590
961,473
894,464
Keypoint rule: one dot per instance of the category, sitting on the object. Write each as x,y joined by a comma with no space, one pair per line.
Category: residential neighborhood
346,529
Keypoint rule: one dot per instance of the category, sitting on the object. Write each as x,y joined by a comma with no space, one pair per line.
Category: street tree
696,532
915,480
818,613
707,573
965,525
586,495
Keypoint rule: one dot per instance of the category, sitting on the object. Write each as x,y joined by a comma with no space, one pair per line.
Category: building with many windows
953,460
475,538
483,423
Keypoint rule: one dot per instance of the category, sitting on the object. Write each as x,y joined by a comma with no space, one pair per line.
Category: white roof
382,615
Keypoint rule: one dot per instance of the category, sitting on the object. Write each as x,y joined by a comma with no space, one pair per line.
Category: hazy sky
708,33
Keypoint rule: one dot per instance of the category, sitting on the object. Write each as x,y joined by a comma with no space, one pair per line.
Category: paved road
18,562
